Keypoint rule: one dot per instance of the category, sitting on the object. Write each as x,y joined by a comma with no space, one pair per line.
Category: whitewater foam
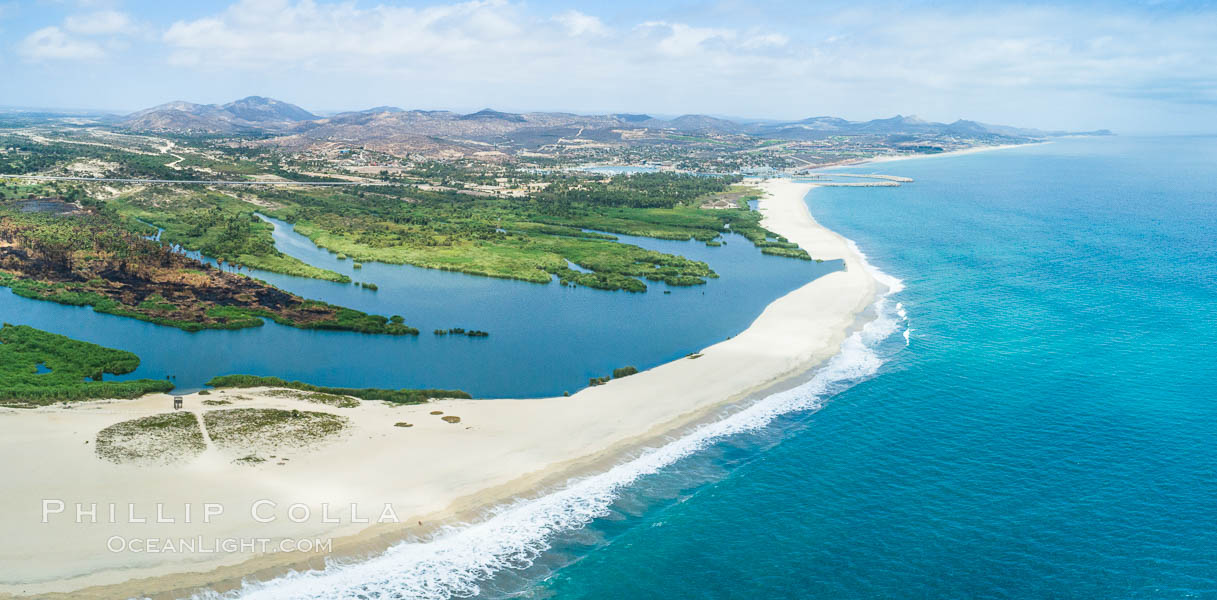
456,559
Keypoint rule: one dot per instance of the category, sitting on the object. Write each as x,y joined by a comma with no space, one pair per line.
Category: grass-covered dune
401,396
71,369
165,438
245,430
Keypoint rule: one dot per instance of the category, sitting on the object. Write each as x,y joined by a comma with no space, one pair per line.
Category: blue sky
1130,66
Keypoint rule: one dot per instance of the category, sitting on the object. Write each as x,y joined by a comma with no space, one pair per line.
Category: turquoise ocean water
1048,429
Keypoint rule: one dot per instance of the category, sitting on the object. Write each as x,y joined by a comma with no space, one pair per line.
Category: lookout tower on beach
177,402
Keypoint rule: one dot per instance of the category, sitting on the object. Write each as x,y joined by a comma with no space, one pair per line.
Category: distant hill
251,113
257,109
487,114
704,124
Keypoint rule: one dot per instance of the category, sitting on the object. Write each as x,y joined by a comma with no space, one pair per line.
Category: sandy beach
973,150
431,473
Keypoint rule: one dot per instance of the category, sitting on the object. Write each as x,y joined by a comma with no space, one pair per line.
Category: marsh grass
335,400
401,396
159,439
247,430
76,369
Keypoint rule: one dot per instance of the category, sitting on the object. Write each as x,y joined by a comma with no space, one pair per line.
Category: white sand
973,150
500,449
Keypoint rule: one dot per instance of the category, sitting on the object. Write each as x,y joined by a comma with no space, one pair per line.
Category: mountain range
392,124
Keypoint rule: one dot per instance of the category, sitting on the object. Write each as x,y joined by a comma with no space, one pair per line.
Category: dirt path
198,416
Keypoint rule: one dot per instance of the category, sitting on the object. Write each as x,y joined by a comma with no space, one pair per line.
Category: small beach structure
177,402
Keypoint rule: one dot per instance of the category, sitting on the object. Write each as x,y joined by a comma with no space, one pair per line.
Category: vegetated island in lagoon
87,257
535,238
39,368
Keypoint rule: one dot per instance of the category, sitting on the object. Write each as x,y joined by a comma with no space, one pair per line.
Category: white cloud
254,32
104,22
578,24
766,40
941,61
493,32
51,43
678,39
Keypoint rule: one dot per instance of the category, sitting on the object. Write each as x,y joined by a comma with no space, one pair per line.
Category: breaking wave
456,560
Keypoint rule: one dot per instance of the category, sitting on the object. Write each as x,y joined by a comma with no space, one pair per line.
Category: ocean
1032,415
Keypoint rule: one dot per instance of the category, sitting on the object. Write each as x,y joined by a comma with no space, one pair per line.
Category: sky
1147,66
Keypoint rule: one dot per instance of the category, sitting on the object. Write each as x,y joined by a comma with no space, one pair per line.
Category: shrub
624,372
23,348
401,396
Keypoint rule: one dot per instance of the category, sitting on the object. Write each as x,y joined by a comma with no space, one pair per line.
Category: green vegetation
462,331
624,372
446,225
335,400
14,189
88,259
401,396
235,168
535,238
246,429
75,369
617,374
159,439
215,224
27,156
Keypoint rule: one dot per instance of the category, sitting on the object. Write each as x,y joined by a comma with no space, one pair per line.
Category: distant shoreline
887,159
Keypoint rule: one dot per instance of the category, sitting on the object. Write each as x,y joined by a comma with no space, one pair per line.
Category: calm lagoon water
1049,431
615,169
544,339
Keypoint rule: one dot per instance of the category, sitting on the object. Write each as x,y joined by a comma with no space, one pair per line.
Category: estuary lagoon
544,339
